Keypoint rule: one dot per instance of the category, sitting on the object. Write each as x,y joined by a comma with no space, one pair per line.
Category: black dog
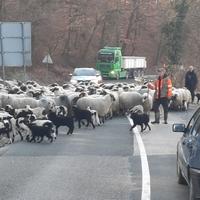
140,119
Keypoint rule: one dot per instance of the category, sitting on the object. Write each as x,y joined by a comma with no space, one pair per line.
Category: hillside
72,31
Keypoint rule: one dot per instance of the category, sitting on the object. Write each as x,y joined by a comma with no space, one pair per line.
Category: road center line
146,187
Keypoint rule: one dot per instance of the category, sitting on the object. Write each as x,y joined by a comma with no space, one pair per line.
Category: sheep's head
144,97
174,97
10,110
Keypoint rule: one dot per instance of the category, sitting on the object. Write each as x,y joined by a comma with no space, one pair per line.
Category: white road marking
146,187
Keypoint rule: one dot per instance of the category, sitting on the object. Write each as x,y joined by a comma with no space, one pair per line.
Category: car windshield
84,72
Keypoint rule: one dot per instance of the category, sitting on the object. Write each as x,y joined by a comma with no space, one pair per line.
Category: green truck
112,64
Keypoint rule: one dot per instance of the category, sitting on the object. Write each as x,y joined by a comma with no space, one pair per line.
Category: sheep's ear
75,99
82,94
112,97
104,92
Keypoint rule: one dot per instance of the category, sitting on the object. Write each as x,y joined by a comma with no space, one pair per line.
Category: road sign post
15,45
47,60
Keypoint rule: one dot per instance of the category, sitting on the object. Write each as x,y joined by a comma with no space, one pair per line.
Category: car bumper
195,177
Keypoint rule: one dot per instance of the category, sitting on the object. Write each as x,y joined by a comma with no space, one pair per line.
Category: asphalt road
94,164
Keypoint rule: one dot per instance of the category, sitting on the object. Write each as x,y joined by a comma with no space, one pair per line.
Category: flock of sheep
34,111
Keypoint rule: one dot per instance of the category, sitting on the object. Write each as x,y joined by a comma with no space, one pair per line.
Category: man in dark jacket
191,81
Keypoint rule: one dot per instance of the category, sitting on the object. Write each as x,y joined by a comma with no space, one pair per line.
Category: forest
72,32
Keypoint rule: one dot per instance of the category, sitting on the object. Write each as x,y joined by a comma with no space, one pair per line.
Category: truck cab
109,62
112,64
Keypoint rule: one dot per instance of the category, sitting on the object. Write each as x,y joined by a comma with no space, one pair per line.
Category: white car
86,75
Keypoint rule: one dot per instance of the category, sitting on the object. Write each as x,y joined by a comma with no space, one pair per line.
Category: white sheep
147,102
128,100
102,104
39,112
181,97
95,116
17,101
136,109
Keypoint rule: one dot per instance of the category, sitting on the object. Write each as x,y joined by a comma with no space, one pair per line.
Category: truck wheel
127,76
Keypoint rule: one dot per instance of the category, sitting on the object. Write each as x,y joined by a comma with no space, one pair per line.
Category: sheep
59,120
18,120
147,102
95,116
115,104
181,97
39,112
187,98
16,113
61,110
136,109
141,89
80,114
102,104
176,100
9,124
64,100
20,124
6,128
41,128
128,100
37,94
15,90
46,102
17,101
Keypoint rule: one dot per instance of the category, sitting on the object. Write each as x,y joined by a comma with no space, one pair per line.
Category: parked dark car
188,155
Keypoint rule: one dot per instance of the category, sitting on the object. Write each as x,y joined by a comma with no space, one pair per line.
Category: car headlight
112,72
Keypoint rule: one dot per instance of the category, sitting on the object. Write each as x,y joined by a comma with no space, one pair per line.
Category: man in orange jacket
163,92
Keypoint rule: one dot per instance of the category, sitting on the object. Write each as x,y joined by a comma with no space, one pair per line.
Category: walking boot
157,118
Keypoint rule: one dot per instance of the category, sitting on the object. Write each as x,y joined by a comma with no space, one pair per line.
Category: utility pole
118,24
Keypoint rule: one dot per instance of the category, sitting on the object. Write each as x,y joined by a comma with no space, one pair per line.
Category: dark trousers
191,89
192,94
164,102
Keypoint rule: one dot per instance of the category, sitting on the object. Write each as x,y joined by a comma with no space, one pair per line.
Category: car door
194,145
187,141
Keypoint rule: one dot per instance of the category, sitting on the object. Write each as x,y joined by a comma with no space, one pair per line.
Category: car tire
181,179
191,191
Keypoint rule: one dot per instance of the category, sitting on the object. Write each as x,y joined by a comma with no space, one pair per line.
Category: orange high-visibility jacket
164,87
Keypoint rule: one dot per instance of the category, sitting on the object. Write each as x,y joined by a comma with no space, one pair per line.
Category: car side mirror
70,74
178,128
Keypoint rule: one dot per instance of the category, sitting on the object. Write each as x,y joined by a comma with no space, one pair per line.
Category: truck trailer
112,64
134,65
